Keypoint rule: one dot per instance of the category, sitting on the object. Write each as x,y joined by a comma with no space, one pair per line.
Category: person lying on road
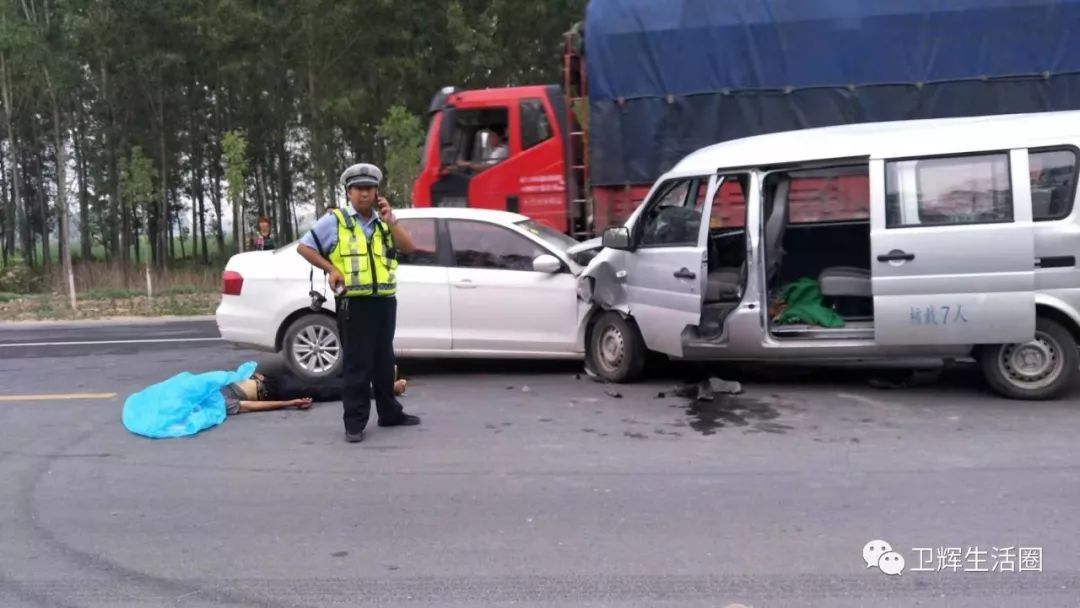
259,394
253,395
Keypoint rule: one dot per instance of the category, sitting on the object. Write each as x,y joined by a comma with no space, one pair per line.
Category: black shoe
404,420
356,437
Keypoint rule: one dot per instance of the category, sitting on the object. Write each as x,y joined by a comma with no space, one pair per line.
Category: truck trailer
646,82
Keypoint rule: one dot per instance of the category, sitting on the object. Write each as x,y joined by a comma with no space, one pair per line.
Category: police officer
357,247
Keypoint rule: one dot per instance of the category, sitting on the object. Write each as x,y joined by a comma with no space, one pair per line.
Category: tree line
144,121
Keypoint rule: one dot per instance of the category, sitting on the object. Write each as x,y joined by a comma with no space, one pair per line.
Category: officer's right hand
335,279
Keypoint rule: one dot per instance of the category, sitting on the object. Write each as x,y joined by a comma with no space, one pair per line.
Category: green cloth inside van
804,304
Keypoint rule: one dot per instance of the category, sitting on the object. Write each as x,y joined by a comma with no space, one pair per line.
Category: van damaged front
602,284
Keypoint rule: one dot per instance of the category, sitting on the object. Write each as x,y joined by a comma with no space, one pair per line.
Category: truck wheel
1040,369
616,351
312,348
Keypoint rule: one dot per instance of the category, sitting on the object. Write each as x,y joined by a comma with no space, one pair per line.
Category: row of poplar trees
163,122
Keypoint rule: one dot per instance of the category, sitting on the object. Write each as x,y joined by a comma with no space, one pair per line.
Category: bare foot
400,386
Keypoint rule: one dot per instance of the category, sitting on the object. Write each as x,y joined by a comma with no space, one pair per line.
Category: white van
949,239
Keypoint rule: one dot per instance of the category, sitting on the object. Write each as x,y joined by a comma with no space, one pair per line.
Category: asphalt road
526,485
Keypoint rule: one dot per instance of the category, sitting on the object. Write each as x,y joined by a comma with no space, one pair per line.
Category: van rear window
1053,183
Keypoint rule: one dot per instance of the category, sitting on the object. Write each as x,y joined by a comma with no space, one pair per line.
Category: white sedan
480,284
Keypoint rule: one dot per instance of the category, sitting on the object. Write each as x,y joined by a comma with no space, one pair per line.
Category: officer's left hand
386,213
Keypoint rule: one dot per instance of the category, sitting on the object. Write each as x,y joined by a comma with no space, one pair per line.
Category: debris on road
706,390
613,394
591,373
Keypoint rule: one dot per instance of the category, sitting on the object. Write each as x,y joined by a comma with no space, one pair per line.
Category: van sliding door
952,249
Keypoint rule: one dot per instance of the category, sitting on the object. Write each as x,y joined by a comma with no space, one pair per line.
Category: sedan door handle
465,284
896,255
684,273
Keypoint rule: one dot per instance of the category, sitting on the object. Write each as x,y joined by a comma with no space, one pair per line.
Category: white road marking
91,342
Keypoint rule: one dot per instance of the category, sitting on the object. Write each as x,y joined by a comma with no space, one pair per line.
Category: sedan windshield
554,238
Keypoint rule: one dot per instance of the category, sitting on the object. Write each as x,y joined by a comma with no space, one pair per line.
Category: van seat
724,284
845,281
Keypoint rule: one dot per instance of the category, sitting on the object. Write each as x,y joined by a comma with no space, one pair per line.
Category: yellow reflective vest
368,266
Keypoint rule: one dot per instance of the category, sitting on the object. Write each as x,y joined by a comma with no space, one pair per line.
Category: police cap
361,174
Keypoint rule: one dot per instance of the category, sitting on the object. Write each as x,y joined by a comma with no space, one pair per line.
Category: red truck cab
462,164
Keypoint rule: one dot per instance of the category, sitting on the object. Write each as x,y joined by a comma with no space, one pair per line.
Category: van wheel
312,348
616,351
1040,369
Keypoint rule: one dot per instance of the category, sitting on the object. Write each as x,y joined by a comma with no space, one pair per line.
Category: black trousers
366,326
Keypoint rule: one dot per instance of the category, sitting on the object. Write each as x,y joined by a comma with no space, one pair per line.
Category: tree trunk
260,196
175,223
26,211
43,210
17,202
61,193
198,213
215,184
8,214
199,204
153,232
202,227
314,129
166,228
284,189
86,235
109,138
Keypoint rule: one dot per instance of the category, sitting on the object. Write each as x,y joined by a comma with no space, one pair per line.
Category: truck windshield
552,237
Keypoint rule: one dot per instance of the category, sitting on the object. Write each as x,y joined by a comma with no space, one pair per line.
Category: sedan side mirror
547,263
617,238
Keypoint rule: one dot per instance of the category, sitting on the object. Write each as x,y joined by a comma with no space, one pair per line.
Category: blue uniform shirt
326,228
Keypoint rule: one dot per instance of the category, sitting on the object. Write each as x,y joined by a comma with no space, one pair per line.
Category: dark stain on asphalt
635,435
545,420
339,554
490,427
588,430
753,415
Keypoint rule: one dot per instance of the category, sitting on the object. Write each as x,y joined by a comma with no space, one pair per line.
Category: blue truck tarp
667,77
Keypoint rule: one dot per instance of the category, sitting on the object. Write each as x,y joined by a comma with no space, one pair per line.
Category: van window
1053,183
728,206
673,217
832,194
946,191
